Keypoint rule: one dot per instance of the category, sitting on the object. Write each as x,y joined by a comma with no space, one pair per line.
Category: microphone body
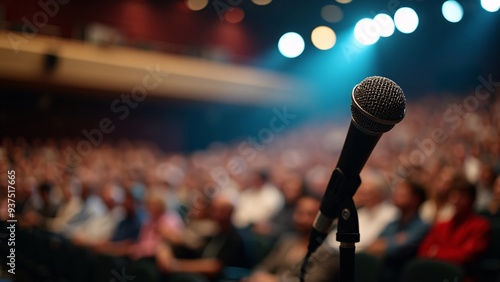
378,104
345,178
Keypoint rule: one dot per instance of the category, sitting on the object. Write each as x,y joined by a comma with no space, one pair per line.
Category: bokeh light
323,37
196,5
452,11
367,31
291,45
344,1
332,13
386,24
261,2
406,20
490,5
234,15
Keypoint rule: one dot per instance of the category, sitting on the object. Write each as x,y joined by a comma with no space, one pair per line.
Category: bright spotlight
323,37
491,5
406,20
367,31
291,45
452,11
386,24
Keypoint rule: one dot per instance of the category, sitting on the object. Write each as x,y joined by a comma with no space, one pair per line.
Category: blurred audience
258,202
290,250
132,199
160,225
223,248
69,206
293,187
400,239
438,208
490,266
464,238
374,213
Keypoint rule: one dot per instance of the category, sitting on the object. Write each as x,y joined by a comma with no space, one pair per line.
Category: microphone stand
343,188
347,235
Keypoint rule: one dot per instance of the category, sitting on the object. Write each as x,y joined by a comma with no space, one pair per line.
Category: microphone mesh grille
381,98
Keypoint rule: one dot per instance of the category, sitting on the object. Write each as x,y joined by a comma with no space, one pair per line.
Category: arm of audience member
406,243
165,258
379,246
476,243
276,255
210,267
166,261
173,237
261,276
113,248
399,245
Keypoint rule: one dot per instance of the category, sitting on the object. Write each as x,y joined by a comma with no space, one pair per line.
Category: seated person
284,260
223,248
159,225
400,239
69,207
47,210
258,202
100,228
293,188
464,238
125,233
438,208
491,264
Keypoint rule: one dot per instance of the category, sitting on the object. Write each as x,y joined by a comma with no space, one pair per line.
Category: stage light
490,5
406,20
332,13
344,1
196,5
323,37
452,11
367,31
261,2
386,24
291,45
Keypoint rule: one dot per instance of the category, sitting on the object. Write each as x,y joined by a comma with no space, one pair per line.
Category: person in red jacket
464,238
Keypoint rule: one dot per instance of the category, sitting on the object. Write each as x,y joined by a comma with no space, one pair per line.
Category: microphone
378,103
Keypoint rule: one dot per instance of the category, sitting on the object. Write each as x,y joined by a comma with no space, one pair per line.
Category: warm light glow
291,45
490,5
452,11
261,2
234,15
196,5
344,1
367,31
323,37
332,13
406,20
386,24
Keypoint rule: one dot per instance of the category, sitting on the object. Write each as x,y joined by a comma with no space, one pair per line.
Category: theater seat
367,268
420,270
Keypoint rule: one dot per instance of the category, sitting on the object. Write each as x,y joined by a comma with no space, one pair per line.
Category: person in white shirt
70,205
374,213
257,203
100,228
